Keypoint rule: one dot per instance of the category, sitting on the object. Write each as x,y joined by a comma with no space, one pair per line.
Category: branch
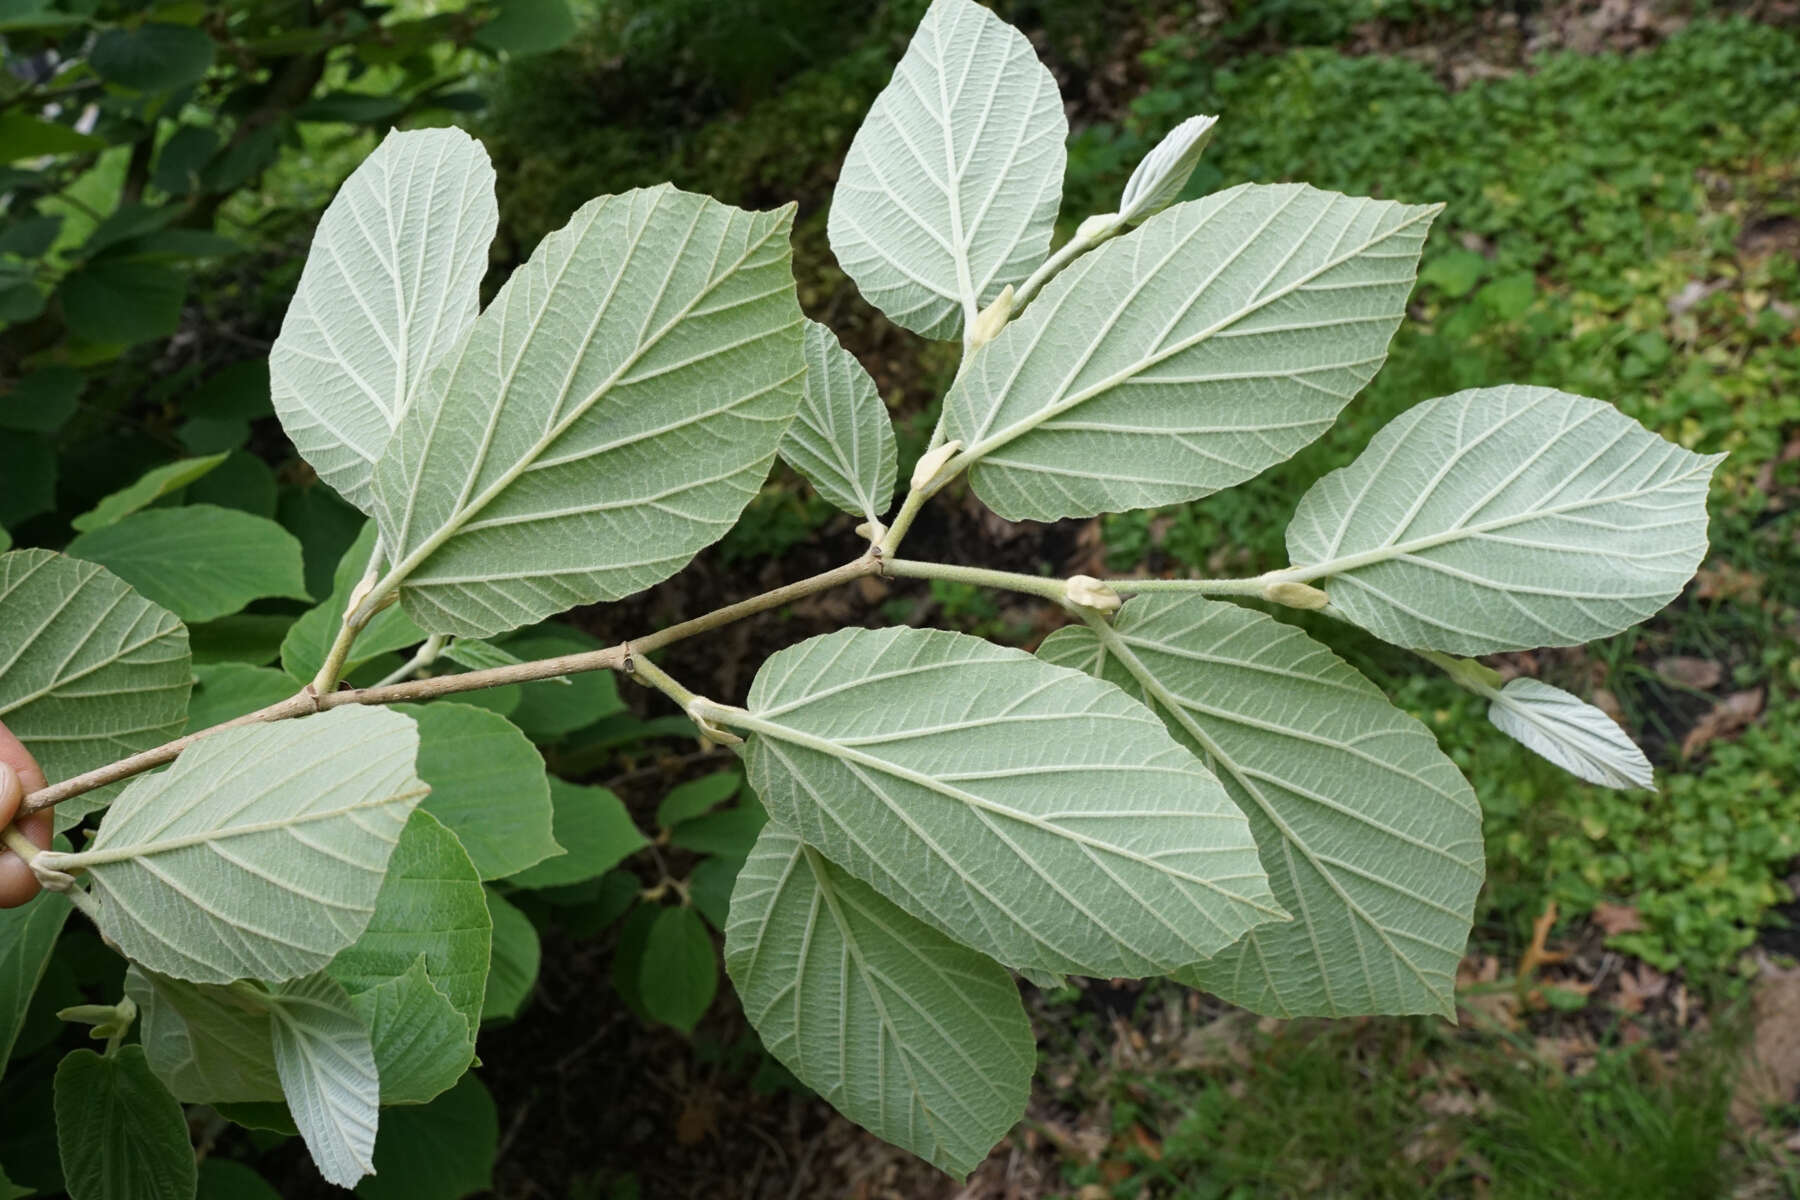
306,702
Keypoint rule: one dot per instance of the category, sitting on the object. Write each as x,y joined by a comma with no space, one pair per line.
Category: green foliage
312,937
186,118
1395,1109
1702,864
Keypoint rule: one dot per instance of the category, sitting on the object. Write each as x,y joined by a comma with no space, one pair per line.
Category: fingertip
17,881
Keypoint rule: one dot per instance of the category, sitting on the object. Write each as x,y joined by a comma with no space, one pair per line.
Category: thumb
17,882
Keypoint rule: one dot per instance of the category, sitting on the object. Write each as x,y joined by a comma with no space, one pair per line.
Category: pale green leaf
89,671
611,413
914,1037
120,1134
1574,735
950,189
27,936
1187,356
487,786
1371,837
517,955
1041,817
304,647
680,971
199,561
842,439
432,903
151,486
226,691
327,1068
422,1044
1505,518
259,853
596,832
208,1044
442,1151
1158,179
389,289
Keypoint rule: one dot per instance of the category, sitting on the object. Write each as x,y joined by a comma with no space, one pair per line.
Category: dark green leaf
680,971
27,936
43,401
549,709
487,786
243,482
629,957
153,57
223,691
182,159
200,562
127,223
242,160
153,485
326,527
223,1179
709,887
120,302
422,1044
20,298
24,136
442,1151
688,800
269,1116
350,108
525,27
240,390
28,465
515,964
595,831
122,1135
30,237
730,831
253,638
431,903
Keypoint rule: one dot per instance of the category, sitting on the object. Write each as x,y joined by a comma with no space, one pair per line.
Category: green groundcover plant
1174,784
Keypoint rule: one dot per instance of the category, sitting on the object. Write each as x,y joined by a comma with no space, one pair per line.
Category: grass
1404,1109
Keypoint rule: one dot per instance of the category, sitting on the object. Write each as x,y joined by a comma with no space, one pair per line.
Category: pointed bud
991,320
1165,170
1088,592
925,473
1296,595
871,532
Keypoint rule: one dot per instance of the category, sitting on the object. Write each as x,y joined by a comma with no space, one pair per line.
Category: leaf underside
259,854
89,671
610,414
1189,355
911,1035
1041,817
390,287
1505,518
950,189
842,440
1371,836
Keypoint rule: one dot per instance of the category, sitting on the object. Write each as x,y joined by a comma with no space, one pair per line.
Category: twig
307,702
